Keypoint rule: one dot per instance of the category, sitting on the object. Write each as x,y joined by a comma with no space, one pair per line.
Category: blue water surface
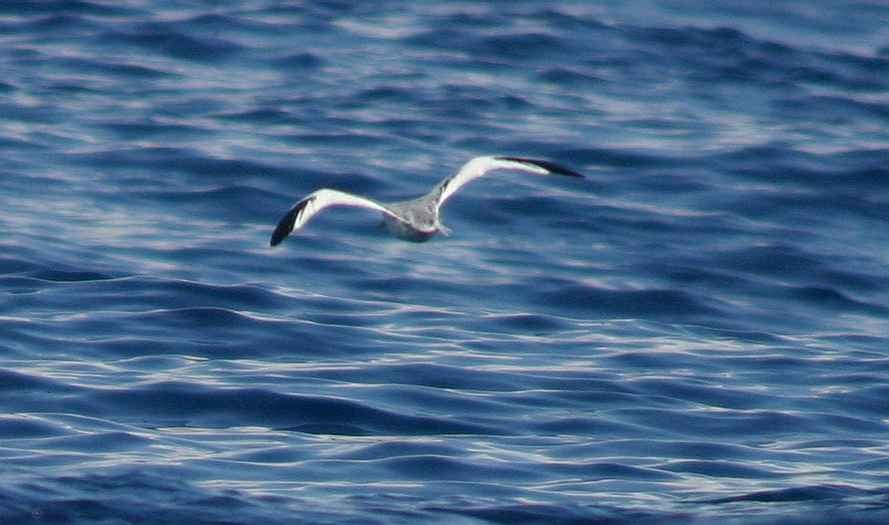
695,333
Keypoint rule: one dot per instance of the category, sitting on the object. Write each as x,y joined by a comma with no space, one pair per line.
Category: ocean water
695,333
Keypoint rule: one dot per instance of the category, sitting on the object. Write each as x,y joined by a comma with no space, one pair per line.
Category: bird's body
416,219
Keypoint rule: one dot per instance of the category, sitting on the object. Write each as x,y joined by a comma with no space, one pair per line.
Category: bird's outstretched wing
479,166
306,208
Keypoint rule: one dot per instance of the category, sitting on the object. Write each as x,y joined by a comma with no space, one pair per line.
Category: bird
416,219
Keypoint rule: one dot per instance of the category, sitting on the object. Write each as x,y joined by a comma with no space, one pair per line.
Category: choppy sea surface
698,332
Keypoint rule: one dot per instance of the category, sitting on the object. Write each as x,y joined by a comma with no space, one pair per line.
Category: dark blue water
698,332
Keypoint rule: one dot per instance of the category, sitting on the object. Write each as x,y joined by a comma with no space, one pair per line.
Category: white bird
416,219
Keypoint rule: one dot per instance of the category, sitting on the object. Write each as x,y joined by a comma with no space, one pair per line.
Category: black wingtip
547,165
282,230
285,225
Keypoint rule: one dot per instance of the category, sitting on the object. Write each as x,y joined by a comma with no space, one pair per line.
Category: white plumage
416,219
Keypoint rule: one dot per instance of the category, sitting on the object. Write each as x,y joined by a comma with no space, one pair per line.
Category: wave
694,333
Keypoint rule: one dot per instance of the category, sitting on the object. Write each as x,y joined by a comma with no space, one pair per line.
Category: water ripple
694,333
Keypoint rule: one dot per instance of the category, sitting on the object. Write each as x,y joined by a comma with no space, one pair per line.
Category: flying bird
416,219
